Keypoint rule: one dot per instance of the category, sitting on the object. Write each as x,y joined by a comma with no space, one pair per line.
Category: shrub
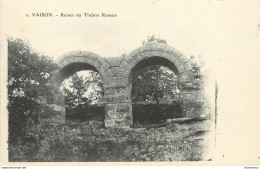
91,112
155,113
84,142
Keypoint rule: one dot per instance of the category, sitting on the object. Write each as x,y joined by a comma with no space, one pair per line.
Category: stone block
129,119
146,54
120,115
134,61
124,81
193,95
157,53
183,59
177,63
70,60
181,69
161,46
187,66
186,77
117,99
114,62
123,64
109,91
90,60
110,72
109,123
142,48
170,57
105,65
63,62
115,81
123,107
105,79
123,73
193,112
111,114
128,68
172,50
77,58
121,124
191,86
98,63
129,57
110,107
151,45
122,90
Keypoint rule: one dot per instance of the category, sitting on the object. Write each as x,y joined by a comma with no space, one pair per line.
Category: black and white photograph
130,82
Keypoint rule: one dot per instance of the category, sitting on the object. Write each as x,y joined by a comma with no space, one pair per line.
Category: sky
225,34
111,37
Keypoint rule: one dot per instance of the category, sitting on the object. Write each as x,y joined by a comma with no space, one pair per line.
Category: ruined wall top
121,67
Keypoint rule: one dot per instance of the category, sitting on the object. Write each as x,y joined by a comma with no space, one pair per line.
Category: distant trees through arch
155,92
83,93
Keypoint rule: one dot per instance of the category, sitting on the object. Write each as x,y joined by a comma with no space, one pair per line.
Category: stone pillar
193,97
117,96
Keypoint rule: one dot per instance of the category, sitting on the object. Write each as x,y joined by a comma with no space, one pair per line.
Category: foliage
74,96
197,67
89,141
82,95
154,82
90,112
97,92
155,114
154,38
28,72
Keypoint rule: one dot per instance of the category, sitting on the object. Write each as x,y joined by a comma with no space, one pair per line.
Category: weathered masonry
116,74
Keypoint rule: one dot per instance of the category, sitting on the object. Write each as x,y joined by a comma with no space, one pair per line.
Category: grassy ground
175,140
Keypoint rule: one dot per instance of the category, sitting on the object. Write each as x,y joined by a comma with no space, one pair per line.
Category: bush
91,112
28,73
155,113
85,142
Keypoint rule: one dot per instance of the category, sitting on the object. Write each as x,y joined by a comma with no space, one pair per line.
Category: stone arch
183,68
116,73
118,90
71,62
120,112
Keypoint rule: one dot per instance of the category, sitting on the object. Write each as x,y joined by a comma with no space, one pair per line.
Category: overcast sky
193,28
189,27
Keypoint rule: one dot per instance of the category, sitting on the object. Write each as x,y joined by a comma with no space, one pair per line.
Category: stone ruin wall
116,74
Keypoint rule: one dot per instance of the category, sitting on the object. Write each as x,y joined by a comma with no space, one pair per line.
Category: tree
97,92
28,72
154,82
81,94
198,67
79,91
74,94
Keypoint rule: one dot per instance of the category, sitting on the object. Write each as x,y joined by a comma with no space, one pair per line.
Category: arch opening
72,68
81,86
83,96
155,92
